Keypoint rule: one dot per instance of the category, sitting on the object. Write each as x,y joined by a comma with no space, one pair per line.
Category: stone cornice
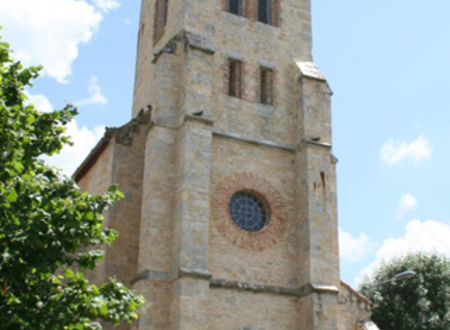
302,291
316,144
206,120
253,140
194,273
202,274
310,70
158,276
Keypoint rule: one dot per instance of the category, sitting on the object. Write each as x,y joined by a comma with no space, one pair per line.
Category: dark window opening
166,7
235,78
161,12
248,211
266,86
264,11
234,7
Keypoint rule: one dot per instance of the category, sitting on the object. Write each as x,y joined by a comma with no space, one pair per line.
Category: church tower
229,220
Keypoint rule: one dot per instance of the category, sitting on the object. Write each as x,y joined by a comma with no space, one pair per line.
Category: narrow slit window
264,9
235,78
234,7
161,12
166,8
266,86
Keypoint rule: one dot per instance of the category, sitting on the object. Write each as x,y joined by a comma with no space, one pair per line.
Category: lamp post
399,277
368,324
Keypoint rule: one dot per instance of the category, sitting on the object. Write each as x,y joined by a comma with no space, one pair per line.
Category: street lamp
369,325
399,277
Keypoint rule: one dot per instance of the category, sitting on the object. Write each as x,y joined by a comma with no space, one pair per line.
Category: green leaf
12,196
103,310
46,220
18,166
30,119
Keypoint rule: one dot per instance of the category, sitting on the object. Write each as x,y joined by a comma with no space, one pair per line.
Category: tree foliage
418,303
45,221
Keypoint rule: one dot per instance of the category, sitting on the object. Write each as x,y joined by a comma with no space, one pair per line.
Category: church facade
229,220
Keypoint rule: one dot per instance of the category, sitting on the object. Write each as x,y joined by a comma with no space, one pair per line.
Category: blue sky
386,61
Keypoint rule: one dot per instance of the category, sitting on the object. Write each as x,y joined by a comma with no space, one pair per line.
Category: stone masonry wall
157,246
234,310
353,308
96,181
125,215
98,178
257,44
196,267
275,263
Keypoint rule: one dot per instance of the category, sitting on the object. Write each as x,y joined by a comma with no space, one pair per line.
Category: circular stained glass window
248,211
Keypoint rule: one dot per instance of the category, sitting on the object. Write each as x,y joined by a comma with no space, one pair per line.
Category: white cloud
407,203
354,248
49,32
84,141
40,102
95,94
106,5
421,236
393,151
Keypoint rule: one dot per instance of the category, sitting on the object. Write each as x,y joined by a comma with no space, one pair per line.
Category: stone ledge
206,120
310,143
194,273
323,288
253,140
159,276
274,289
187,117
310,70
203,274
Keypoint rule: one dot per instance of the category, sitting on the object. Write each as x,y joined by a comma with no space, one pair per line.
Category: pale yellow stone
169,164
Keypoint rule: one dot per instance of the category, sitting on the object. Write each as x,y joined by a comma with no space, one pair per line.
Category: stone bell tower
229,220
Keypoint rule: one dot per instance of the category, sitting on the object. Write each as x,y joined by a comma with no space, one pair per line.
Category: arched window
264,11
234,7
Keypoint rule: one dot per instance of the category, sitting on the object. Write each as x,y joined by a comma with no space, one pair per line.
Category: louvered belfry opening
234,6
235,78
267,86
264,11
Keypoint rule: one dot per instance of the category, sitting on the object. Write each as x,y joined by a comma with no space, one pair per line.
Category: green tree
418,303
48,227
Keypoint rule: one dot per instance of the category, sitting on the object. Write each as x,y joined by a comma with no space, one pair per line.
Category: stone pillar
168,70
316,193
192,213
191,289
198,71
156,271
